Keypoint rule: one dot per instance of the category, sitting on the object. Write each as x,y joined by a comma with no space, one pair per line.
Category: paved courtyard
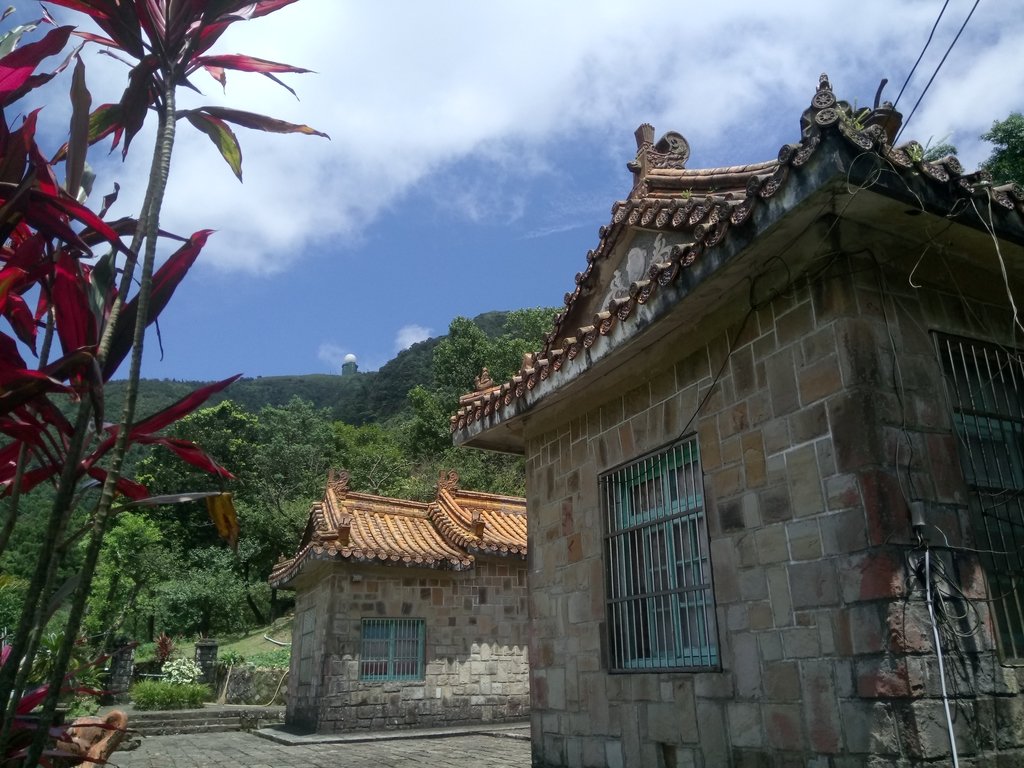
244,750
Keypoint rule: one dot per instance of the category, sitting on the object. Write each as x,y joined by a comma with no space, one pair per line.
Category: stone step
186,726
207,720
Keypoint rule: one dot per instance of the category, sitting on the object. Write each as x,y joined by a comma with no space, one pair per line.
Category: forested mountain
361,398
165,569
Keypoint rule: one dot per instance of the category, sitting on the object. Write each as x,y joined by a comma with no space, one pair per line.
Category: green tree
375,457
134,559
1006,162
295,448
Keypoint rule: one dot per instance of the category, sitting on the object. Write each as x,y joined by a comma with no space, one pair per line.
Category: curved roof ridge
360,527
662,198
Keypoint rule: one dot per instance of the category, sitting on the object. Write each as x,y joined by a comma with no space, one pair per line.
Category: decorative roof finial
484,380
448,480
337,481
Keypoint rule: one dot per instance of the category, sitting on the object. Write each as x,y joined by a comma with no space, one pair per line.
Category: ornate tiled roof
447,533
706,207
481,523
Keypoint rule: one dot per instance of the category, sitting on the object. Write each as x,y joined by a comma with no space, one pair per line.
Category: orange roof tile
708,205
446,533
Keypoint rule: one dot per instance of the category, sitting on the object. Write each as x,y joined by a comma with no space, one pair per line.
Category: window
984,384
661,612
392,649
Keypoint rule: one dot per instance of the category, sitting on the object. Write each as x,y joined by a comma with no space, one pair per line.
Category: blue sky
477,147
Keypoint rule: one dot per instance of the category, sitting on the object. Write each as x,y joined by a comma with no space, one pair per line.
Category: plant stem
149,222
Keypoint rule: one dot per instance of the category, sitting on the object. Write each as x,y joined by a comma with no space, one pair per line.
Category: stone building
408,613
778,426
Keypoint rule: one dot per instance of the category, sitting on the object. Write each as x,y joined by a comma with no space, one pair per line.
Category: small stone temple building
408,613
777,427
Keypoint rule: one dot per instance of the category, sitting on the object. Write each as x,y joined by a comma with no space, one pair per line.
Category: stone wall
303,700
477,666
810,455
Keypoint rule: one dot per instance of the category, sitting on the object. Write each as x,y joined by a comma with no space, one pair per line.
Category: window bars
984,383
661,612
392,649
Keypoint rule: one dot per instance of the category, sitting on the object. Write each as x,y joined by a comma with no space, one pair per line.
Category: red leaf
17,67
126,487
22,321
246,63
259,122
76,326
263,7
137,98
190,453
165,280
182,408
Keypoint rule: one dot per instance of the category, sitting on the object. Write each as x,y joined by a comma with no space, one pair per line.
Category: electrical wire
921,55
938,653
936,72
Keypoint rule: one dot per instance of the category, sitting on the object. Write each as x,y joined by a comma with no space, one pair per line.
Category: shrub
182,671
160,694
164,648
231,658
279,658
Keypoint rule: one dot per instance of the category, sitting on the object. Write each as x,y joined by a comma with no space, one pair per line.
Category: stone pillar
206,658
122,664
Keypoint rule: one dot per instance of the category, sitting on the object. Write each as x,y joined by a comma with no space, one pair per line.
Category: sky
476,148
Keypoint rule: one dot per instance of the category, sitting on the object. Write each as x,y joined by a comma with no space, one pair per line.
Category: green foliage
164,569
231,658
134,558
934,153
182,671
375,457
12,595
206,596
279,658
161,694
1006,163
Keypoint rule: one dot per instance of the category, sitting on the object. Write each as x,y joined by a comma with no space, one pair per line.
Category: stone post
122,664
206,658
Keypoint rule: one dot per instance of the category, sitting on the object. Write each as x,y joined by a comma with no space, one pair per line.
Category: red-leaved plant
48,243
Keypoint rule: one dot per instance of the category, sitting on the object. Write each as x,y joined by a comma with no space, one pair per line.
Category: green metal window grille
984,384
392,649
660,606
307,623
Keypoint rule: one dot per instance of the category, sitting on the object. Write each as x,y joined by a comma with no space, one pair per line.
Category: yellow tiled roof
446,533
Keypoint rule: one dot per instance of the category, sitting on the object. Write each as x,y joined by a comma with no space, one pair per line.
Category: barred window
392,649
984,384
661,612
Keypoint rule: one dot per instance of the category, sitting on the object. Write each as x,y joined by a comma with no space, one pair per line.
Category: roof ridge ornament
337,481
448,480
672,150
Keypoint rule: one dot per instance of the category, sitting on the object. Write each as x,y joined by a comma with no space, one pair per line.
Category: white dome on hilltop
350,358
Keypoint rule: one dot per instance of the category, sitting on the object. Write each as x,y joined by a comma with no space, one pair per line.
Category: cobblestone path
243,750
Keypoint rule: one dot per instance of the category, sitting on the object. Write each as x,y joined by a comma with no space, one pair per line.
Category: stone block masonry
827,420
476,657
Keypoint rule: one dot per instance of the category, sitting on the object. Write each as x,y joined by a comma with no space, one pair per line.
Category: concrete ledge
510,730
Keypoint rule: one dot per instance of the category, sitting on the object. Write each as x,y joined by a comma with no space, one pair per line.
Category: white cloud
409,334
332,355
406,89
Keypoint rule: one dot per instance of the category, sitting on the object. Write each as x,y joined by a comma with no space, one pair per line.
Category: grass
253,646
